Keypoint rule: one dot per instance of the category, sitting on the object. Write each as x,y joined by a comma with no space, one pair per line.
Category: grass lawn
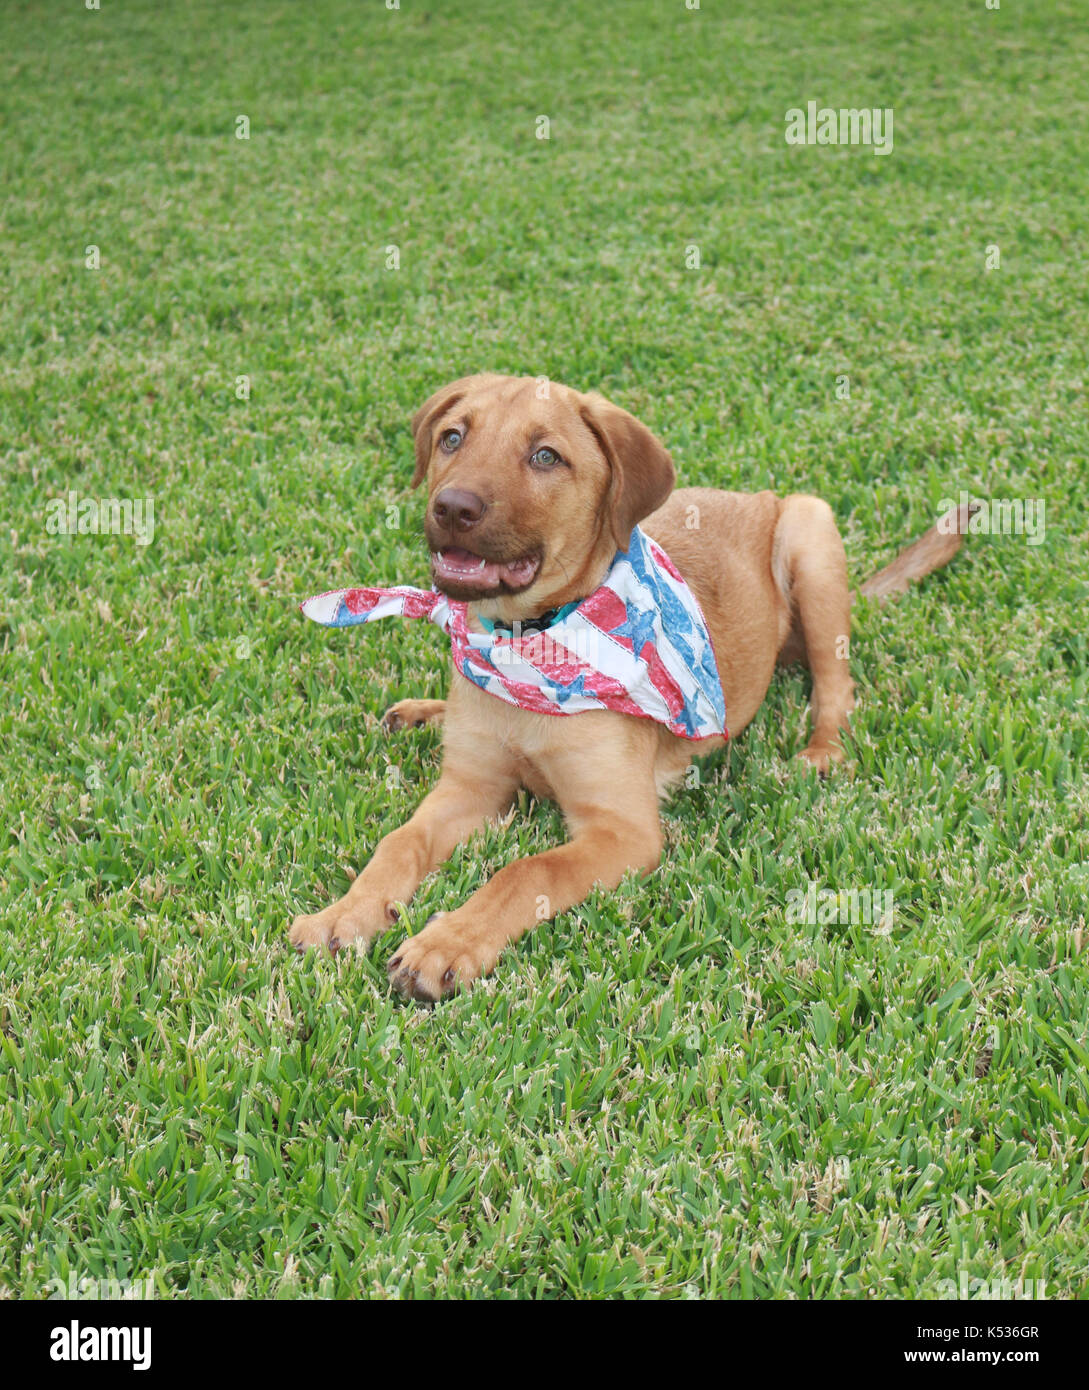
674,1090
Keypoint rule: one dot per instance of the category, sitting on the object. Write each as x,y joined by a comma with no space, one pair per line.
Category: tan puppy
546,491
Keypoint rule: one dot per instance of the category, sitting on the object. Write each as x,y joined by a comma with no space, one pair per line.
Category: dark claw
413,989
300,948
405,983
393,914
334,945
448,978
419,723
394,963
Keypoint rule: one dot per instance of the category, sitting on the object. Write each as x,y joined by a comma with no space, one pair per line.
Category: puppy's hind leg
810,567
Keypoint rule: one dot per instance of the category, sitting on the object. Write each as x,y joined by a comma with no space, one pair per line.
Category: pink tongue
455,563
459,564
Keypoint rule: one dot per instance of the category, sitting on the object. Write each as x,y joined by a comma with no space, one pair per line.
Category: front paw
437,961
822,755
339,925
413,714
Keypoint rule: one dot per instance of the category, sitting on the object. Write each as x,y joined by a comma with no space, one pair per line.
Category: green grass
672,1090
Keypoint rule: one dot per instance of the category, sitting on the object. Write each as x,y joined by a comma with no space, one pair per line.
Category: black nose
455,507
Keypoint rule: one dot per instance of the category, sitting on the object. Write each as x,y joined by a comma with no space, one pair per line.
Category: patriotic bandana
638,645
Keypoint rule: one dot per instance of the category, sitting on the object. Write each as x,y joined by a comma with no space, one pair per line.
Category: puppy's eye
545,457
450,440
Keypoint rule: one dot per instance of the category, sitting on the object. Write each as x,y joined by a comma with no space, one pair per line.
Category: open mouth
455,569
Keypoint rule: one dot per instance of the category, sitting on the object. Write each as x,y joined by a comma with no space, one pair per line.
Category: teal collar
546,619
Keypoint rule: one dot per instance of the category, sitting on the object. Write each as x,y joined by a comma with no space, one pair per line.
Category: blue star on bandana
639,627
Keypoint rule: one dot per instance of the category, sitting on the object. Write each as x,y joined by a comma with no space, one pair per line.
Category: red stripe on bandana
606,610
420,605
662,681
611,693
526,696
663,559
361,600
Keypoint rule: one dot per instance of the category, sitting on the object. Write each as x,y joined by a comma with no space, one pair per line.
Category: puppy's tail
931,551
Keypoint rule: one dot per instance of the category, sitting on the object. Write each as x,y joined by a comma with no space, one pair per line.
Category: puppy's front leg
413,714
456,947
463,800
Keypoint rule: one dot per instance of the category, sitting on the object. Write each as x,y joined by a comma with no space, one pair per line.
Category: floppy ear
444,399
424,418
642,470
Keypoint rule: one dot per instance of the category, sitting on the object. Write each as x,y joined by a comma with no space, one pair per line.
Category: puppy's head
531,489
